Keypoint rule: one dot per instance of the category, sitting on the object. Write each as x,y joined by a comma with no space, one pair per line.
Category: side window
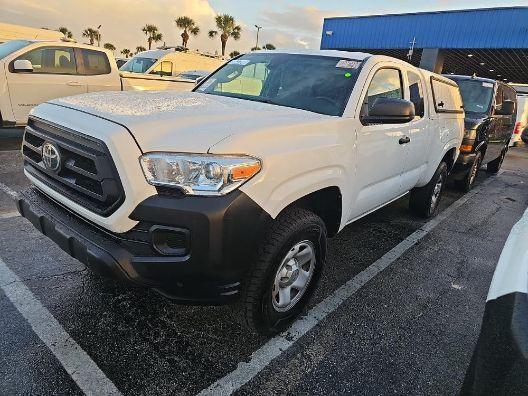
416,93
95,62
163,68
49,60
446,96
386,83
499,96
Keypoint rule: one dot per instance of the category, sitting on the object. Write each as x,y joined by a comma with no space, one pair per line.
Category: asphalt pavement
408,328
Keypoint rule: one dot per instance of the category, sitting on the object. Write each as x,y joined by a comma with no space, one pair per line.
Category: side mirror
199,80
507,108
390,111
22,65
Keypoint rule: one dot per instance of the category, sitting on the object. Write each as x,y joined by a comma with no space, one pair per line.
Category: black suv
490,119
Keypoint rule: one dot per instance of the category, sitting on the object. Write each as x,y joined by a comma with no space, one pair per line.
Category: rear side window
51,60
386,83
95,62
416,93
446,96
163,68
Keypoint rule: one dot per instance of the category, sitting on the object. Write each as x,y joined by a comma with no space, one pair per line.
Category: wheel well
449,159
326,204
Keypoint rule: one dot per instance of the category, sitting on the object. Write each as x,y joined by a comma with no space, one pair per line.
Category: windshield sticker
487,85
348,64
242,62
348,75
206,84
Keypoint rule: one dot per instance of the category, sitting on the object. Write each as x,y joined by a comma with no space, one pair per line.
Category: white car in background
521,122
161,68
32,72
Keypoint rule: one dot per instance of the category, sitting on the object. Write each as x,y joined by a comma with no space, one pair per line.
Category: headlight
199,174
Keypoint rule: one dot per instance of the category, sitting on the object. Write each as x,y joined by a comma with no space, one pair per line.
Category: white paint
9,215
82,369
8,190
262,357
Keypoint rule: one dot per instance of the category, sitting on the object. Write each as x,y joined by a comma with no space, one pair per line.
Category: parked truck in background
32,72
227,194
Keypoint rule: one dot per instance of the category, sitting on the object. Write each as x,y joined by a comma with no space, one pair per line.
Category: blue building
491,42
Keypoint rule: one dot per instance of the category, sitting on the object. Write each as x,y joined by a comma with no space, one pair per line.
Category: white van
10,32
228,193
521,121
157,69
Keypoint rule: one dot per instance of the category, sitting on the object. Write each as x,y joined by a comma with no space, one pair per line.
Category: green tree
269,47
152,33
67,33
126,52
234,54
189,26
140,48
227,27
92,34
109,47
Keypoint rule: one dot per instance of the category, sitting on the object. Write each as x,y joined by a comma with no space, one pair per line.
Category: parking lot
398,310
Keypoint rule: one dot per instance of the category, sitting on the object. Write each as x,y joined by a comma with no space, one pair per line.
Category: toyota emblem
51,157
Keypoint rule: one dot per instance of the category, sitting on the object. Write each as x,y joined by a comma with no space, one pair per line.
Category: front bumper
462,165
223,236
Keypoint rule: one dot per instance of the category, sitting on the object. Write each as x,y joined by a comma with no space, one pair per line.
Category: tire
424,200
495,165
296,230
467,182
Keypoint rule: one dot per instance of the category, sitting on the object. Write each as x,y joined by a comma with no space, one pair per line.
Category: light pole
99,36
258,30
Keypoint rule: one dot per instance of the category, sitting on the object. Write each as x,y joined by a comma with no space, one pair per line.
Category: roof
459,77
503,27
322,52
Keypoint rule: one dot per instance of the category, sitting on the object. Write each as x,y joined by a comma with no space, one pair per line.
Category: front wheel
424,200
495,165
285,272
469,178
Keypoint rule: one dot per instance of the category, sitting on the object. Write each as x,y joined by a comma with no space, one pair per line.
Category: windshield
319,84
476,95
11,46
138,65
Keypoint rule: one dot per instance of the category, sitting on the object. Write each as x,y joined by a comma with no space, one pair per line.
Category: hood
183,121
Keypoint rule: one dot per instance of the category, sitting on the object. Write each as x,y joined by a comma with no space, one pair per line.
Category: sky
285,23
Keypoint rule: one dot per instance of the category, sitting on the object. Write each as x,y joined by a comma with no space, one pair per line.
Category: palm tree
67,33
109,47
255,48
189,26
140,48
234,54
269,47
227,27
126,52
92,34
152,33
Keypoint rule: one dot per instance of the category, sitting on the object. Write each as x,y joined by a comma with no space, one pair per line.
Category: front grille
87,174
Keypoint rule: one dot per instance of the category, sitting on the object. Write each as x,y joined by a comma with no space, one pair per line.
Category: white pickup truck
32,72
228,193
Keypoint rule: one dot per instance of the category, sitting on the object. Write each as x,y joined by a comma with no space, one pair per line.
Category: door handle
404,140
74,83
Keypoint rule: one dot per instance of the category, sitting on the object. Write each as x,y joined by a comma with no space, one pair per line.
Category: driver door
54,75
381,154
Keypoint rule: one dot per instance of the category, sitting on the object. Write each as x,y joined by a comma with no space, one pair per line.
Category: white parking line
82,369
8,190
9,215
263,356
